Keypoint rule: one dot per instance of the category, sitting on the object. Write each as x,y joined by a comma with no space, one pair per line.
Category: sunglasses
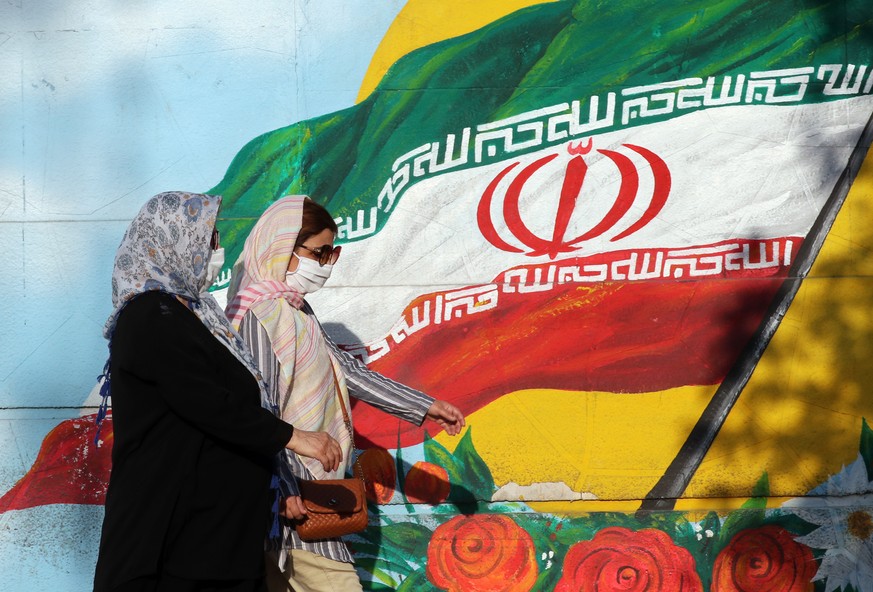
214,242
324,254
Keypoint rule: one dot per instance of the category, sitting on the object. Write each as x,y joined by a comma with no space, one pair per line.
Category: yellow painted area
611,445
423,22
798,420
799,417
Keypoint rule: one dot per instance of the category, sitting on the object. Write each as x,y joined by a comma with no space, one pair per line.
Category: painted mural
631,241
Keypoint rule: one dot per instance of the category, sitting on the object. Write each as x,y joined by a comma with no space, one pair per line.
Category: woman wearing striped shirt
288,254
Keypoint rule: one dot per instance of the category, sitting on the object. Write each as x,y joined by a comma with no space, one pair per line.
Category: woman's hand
293,508
318,445
448,416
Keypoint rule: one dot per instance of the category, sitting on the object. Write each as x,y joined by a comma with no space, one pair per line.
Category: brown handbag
334,507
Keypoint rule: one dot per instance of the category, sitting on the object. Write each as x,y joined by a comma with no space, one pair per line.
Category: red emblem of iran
620,220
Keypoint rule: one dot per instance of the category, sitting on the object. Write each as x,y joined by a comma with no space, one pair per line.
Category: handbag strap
359,470
342,403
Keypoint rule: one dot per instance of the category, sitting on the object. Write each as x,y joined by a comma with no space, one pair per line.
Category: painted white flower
842,508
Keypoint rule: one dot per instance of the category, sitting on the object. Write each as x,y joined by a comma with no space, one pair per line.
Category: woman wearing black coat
195,437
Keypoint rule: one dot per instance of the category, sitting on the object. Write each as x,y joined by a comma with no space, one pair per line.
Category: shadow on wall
808,391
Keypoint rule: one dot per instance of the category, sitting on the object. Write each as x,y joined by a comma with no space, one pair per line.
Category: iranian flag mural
585,224
530,206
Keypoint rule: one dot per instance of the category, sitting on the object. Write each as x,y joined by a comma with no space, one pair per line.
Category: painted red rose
426,483
618,559
481,553
765,558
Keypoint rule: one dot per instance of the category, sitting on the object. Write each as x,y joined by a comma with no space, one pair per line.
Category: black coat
192,456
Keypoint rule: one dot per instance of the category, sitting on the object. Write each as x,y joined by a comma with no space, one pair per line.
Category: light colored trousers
308,572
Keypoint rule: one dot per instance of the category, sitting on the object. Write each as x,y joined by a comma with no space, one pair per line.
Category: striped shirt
363,384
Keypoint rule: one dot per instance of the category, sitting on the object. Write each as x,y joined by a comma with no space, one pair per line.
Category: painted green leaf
436,453
477,475
380,570
712,524
750,514
866,447
388,561
410,538
548,578
760,491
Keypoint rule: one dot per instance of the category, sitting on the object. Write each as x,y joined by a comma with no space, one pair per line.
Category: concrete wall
630,241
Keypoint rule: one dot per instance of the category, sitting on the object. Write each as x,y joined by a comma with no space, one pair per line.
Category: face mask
213,267
309,275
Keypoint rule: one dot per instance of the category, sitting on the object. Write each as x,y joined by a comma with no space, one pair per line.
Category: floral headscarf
166,248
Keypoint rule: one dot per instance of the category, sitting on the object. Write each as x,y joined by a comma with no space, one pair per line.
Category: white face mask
213,267
309,275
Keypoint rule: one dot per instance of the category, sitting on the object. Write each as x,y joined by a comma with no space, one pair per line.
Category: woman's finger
293,508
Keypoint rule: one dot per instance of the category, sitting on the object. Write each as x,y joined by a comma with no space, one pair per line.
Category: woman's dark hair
315,220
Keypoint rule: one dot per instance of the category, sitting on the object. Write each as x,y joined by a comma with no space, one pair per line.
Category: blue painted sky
104,103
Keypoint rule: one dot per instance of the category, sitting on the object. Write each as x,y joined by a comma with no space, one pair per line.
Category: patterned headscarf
259,273
305,360
166,248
